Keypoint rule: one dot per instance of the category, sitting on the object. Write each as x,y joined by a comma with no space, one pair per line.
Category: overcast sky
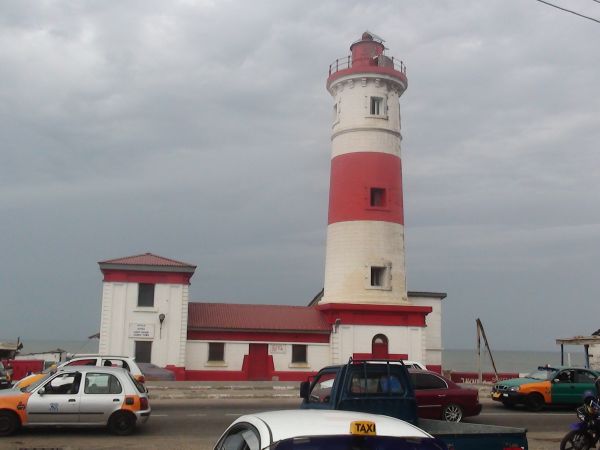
200,131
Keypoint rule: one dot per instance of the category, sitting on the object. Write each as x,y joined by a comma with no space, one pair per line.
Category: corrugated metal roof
213,316
147,259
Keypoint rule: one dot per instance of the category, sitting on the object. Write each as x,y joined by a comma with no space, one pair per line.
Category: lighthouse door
258,362
379,347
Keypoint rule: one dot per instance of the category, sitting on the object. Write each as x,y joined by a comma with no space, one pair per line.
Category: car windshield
32,386
542,374
349,442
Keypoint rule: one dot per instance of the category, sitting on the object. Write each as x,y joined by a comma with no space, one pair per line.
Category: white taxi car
77,396
321,429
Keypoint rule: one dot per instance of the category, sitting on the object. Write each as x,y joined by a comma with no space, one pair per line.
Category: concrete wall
123,322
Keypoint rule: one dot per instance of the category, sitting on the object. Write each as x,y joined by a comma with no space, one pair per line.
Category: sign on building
276,348
141,330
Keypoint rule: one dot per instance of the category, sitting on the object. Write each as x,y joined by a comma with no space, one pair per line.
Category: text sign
276,348
141,330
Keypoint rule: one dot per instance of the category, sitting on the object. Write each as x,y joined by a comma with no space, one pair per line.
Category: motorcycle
584,434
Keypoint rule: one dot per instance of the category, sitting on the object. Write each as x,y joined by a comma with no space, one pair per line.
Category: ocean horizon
458,360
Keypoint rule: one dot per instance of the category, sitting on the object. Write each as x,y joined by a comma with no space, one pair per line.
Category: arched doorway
379,347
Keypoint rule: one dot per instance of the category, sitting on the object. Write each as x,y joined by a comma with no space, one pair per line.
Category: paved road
196,424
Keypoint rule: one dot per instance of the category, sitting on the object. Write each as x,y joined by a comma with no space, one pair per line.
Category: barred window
216,351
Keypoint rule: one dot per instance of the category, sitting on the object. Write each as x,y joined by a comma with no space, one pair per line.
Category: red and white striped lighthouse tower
365,234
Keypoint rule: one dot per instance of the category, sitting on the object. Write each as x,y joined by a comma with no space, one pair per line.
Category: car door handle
116,400
72,400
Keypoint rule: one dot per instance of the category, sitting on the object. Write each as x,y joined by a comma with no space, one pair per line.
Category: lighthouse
364,260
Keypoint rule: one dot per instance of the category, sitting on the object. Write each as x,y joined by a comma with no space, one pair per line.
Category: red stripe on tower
366,186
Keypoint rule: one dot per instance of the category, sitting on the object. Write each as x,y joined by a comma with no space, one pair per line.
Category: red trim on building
243,375
352,177
232,375
362,314
261,336
131,276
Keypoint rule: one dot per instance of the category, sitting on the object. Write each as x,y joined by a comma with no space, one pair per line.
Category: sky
200,131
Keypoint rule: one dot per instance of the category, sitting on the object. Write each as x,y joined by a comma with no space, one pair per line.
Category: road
197,424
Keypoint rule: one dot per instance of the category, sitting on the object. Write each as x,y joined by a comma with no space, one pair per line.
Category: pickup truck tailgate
475,436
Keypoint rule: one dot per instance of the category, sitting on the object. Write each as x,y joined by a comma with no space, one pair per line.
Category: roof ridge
124,259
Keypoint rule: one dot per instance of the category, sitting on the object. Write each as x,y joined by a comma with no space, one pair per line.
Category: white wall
433,332
197,356
401,340
352,248
352,95
120,313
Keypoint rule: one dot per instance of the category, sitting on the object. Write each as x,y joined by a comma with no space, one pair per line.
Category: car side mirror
42,391
556,380
304,389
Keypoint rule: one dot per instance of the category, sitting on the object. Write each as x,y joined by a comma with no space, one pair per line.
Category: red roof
214,316
147,259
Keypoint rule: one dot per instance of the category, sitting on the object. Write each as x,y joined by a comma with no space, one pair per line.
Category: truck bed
475,436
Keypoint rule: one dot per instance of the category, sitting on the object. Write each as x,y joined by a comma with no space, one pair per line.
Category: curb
186,390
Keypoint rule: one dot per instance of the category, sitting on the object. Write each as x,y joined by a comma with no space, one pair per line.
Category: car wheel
121,423
452,413
9,423
535,402
576,440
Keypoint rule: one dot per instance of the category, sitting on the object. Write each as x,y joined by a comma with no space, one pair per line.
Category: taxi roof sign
363,428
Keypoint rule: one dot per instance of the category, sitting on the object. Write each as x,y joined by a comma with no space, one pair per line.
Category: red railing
379,61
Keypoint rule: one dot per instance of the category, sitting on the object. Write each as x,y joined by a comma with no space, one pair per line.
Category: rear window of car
376,381
139,386
349,442
82,362
427,381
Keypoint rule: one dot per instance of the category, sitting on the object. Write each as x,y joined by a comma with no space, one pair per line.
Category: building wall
594,352
352,247
409,341
352,95
236,361
123,322
433,333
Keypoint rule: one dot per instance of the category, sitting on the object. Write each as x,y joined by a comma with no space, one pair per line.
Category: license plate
363,428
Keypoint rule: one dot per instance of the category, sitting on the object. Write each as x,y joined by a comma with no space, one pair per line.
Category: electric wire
569,11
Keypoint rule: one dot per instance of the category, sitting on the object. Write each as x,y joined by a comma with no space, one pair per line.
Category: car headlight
514,388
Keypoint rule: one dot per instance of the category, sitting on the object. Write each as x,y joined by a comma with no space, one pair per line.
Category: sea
462,360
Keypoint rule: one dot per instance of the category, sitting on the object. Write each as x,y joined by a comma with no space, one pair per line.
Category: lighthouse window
377,197
376,106
145,295
377,276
